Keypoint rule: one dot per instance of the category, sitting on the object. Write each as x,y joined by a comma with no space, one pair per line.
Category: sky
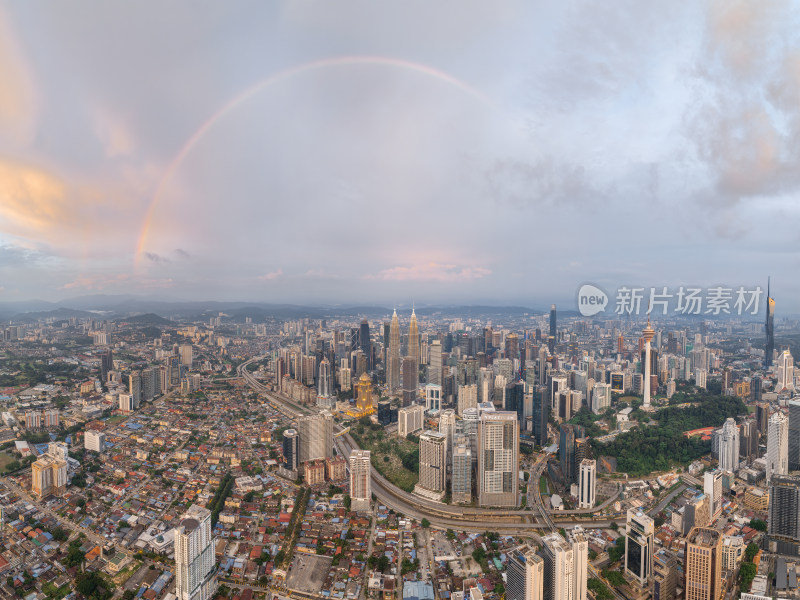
360,152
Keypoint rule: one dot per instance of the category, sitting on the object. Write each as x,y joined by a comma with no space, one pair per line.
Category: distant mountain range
149,309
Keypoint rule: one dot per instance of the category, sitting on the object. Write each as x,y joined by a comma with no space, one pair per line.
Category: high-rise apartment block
94,441
587,483
524,575
783,525
360,480
432,465
316,436
498,459
777,445
195,568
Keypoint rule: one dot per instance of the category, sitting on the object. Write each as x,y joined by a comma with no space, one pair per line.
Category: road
470,519
666,500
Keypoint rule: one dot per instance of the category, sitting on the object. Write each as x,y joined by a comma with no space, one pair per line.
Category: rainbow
258,87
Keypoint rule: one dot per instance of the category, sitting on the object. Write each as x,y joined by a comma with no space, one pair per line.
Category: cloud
432,271
18,98
156,258
271,276
116,282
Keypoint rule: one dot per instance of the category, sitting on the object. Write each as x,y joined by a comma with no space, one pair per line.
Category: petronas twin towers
393,358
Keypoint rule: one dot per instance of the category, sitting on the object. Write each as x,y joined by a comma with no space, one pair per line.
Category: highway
464,518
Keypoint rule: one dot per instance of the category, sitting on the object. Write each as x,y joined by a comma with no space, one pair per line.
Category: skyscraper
665,575
559,568
413,339
712,487
784,514
648,334
364,342
553,321
769,329
324,388
729,447
639,546
785,372
195,572
316,436
410,380
587,483
393,367
794,435
566,450
498,459
461,470
703,564
432,465
524,575
435,363
777,445
291,449
360,480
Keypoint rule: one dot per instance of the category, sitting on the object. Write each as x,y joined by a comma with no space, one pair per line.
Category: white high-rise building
447,426
360,480
324,387
601,397
777,445
648,334
94,441
785,372
432,465
587,483
410,419
729,447
559,568
195,568
580,550
712,488
498,459
524,575
433,398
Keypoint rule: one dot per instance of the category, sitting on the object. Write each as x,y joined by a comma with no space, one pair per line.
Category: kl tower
648,334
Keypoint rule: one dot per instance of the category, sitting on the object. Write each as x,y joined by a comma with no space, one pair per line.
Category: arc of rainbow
258,87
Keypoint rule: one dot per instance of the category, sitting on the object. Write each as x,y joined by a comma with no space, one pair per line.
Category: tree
751,551
425,523
758,524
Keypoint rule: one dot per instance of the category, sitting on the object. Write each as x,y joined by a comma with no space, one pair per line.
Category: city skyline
298,153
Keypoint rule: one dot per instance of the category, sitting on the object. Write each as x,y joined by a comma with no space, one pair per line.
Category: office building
433,398
316,436
777,445
665,575
94,441
413,343
639,546
524,575
393,357
410,419
291,449
195,567
587,483
729,447
467,398
410,380
783,524
365,344
498,459
569,434
324,383
793,435
601,397
447,426
360,480
769,330
712,487
461,471
435,363
703,564
432,465
785,372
